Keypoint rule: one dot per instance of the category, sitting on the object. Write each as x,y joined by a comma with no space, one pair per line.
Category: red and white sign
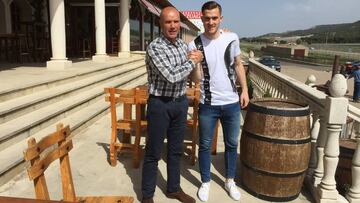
195,18
192,14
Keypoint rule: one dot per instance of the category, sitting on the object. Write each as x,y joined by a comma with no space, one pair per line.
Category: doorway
80,29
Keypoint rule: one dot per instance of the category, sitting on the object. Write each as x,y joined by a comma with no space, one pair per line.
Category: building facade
64,29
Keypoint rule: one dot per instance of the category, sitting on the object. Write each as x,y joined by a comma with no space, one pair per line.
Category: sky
250,18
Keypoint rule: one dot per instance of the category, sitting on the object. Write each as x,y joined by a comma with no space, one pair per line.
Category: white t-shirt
218,59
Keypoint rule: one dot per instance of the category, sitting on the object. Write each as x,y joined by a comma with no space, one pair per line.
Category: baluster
353,195
336,106
276,94
272,89
320,144
315,129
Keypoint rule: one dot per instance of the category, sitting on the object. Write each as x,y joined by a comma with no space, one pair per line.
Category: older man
168,65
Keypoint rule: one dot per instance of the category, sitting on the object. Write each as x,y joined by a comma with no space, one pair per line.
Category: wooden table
26,200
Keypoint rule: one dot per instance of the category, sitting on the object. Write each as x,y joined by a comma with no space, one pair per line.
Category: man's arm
240,73
160,62
196,74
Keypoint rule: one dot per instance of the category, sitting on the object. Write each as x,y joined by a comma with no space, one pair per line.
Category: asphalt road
301,72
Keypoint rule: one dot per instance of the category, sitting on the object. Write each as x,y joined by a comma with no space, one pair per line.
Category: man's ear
202,19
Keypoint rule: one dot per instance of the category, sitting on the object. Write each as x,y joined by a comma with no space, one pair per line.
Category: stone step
19,106
72,74
11,159
24,126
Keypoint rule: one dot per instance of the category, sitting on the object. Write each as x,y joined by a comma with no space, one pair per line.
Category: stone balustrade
328,116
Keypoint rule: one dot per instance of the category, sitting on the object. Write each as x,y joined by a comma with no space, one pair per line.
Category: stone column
354,193
100,29
58,60
124,30
336,106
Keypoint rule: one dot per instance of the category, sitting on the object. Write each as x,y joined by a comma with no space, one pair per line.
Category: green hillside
335,33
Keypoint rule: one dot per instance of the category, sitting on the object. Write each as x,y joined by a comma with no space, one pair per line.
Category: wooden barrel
343,171
275,148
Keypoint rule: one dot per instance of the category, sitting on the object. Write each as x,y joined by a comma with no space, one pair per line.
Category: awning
151,8
183,25
156,11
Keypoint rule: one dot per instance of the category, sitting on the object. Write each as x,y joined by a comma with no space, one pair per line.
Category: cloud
298,6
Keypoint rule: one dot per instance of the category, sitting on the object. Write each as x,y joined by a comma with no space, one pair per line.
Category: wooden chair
86,48
190,86
42,52
129,98
57,146
23,48
114,45
193,95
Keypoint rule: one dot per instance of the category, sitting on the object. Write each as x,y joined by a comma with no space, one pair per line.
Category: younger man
219,99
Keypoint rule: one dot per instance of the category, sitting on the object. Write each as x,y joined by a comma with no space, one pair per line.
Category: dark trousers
165,117
356,93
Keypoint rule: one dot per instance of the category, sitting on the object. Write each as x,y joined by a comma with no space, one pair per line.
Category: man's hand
225,30
244,99
195,55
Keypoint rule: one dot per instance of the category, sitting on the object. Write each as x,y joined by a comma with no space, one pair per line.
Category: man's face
211,20
170,24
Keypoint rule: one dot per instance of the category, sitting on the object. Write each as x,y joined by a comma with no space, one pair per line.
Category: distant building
287,50
195,18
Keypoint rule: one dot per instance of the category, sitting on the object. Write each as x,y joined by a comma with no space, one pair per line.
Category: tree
298,41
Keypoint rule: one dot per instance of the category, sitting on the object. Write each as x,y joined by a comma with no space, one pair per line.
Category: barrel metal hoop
347,151
344,168
280,175
279,112
268,198
277,141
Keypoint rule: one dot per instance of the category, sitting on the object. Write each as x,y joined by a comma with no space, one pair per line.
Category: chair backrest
193,95
23,43
41,154
138,95
135,96
141,95
86,47
114,44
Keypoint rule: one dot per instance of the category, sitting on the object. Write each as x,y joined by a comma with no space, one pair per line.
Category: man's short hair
210,5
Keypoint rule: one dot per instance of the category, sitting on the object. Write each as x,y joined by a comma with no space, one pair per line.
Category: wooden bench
55,146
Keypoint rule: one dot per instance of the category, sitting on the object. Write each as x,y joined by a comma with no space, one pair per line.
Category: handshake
195,55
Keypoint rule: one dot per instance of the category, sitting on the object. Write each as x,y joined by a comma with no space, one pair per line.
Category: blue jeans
229,116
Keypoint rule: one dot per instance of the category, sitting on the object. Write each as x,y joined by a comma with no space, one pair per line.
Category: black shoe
181,196
147,200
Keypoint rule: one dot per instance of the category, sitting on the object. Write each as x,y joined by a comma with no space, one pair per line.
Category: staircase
74,100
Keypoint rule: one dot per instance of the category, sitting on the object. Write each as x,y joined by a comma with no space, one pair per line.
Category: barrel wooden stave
288,158
343,171
277,126
271,188
275,151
